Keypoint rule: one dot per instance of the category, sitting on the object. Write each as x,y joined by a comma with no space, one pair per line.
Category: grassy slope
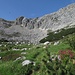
36,53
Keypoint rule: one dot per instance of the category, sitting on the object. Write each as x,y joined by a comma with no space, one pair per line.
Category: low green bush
52,36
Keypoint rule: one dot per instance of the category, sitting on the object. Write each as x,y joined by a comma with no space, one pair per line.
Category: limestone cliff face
34,29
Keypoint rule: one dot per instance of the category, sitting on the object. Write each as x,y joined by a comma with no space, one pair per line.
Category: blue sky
11,9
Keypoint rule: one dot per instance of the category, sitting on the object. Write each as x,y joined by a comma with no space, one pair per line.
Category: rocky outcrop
32,30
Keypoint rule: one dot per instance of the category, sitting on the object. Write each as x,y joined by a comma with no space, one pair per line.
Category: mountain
32,30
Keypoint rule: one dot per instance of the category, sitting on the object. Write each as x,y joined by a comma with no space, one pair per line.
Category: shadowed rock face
34,29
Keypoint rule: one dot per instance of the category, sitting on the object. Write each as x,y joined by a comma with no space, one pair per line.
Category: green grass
36,54
10,68
56,48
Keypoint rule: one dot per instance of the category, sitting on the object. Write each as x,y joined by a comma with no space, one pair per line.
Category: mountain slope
33,30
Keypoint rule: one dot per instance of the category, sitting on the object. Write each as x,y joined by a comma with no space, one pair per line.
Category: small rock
23,49
56,43
0,58
26,62
18,58
23,53
46,43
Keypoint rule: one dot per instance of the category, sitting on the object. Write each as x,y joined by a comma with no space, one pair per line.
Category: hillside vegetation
57,35
28,59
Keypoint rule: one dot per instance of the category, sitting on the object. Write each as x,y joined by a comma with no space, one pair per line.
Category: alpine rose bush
64,53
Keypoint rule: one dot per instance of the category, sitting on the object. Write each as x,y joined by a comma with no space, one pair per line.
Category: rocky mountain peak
19,20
